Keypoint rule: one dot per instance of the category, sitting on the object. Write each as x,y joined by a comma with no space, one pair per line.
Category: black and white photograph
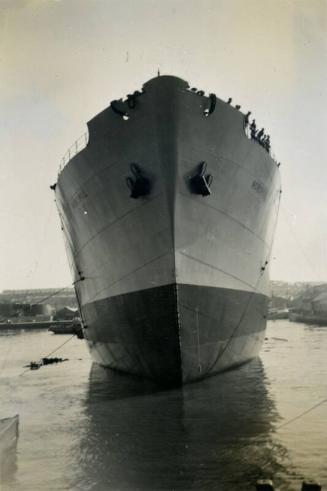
163,247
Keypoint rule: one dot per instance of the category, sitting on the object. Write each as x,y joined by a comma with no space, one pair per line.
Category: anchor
199,183
139,185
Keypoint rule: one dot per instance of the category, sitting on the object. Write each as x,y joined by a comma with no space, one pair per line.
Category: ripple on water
86,428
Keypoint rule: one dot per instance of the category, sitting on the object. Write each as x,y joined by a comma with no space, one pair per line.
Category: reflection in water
214,434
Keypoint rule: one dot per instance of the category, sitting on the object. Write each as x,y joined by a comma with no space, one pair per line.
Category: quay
29,325
37,309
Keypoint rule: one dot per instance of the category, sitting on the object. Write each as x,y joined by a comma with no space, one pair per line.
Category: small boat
8,430
276,314
68,329
8,444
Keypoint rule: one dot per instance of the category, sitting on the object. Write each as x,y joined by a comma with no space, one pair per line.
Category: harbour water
85,428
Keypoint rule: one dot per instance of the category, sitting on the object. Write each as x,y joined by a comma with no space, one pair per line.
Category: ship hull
172,285
176,333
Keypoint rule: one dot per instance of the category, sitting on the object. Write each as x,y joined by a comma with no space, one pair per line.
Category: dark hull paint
176,333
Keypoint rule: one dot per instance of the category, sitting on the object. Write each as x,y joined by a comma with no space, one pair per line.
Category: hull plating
174,284
176,333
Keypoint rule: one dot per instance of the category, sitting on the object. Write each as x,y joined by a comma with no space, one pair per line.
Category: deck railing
247,132
74,149
83,140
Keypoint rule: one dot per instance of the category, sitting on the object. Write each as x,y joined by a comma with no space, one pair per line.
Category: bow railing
74,149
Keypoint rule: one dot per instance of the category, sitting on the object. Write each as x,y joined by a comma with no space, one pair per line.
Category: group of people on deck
259,136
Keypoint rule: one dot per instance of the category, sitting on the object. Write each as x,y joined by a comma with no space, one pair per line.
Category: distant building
41,309
51,296
291,290
313,300
35,304
6,310
66,313
319,303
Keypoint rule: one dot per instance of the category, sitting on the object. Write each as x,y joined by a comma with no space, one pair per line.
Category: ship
169,209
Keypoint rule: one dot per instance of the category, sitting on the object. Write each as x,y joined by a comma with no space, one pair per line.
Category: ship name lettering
80,196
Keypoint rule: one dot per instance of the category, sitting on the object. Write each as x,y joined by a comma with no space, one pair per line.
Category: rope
52,295
51,353
36,303
2,319
302,414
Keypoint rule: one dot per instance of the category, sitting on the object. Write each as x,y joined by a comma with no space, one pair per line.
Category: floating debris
35,365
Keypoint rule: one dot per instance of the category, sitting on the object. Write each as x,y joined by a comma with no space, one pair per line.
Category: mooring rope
3,319
47,356
53,351
302,414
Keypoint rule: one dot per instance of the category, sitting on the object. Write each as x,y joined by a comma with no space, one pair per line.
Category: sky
63,61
